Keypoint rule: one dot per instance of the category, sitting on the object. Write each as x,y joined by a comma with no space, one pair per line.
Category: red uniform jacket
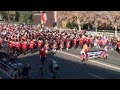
17,45
24,46
10,45
86,40
13,44
39,44
118,45
75,41
68,44
42,52
31,46
81,42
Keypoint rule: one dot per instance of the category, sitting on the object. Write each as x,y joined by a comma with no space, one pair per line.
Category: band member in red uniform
46,46
75,43
42,54
91,41
61,45
85,50
118,47
31,46
39,44
17,47
14,47
67,44
21,50
86,40
24,47
81,43
10,46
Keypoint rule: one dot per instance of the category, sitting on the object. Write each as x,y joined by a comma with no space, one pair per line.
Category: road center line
95,76
105,64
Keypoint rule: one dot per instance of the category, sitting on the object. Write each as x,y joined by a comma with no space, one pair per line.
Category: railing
7,70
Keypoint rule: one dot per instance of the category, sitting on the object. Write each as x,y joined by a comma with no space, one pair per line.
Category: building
50,18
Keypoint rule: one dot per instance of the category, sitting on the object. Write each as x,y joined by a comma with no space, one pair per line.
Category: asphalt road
70,67
3,75
113,58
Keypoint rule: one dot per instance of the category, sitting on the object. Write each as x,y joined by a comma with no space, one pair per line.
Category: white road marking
95,76
105,64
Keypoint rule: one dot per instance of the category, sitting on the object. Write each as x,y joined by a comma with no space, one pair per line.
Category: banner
95,53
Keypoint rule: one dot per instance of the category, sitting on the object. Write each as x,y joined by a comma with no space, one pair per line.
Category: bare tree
95,20
81,18
114,18
70,16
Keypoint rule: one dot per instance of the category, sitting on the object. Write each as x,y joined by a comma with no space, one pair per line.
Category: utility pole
55,20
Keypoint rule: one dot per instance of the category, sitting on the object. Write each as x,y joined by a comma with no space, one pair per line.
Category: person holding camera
26,70
54,68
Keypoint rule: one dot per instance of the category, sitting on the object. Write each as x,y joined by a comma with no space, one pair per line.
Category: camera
54,67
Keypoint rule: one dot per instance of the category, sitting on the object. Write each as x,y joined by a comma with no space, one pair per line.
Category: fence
7,70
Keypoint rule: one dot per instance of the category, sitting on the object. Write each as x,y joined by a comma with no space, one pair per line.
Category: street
22,33
113,56
70,67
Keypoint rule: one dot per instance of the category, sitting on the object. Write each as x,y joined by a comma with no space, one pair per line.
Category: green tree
24,16
11,15
8,15
17,16
4,14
